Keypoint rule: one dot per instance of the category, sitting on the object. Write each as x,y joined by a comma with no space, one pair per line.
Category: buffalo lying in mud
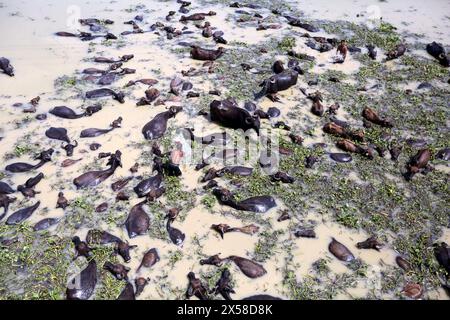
158,125
438,52
82,286
57,134
150,258
94,178
44,157
248,267
418,163
276,83
104,92
196,288
198,53
22,214
138,221
340,251
228,114
94,132
68,113
6,66
259,204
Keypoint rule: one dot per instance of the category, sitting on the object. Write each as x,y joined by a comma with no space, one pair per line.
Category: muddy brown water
40,58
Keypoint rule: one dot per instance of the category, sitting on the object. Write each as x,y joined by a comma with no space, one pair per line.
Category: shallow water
428,19
40,58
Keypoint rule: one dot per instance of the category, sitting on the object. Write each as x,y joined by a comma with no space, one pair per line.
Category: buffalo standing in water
277,83
82,286
259,204
158,125
317,106
44,157
6,66
372,51
228,114
94,178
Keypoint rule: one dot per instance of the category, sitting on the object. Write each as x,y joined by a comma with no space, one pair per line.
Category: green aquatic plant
266,245
20,150
174,257
287,43
209,201
66,81
109,287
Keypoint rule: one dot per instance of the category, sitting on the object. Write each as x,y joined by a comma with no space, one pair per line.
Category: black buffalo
228,114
